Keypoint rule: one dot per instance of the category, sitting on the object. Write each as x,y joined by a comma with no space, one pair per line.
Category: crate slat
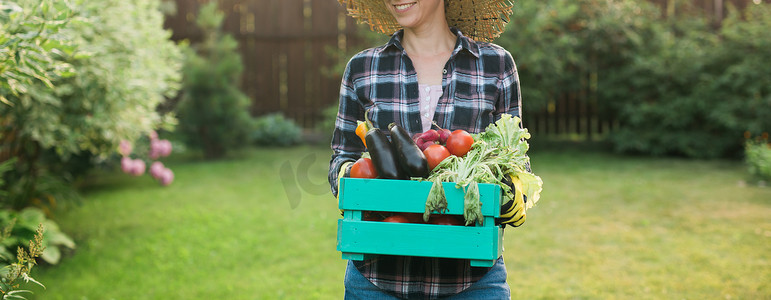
428,240
410,196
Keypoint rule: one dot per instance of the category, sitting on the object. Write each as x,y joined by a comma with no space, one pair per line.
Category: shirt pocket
474,106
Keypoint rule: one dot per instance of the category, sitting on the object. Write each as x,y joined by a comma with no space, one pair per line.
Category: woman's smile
401,8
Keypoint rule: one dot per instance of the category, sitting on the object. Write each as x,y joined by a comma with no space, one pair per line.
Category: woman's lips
400,8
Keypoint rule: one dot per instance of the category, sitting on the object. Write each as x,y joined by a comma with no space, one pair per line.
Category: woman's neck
429,40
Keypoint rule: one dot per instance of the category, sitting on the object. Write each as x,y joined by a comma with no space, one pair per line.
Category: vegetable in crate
397,218
459,142
441,219
411,159
363,168
444,134
363,127
361,131
404,218
435,154
383,155
497,152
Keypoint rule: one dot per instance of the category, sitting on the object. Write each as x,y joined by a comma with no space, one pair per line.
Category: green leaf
54,237
472,206
532,186
437,201
51,255
5,100
31,218
8,42
7,8
28,278
13,294
5,255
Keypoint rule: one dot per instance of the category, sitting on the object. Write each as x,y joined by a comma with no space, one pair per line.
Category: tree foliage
213,112
699,90
677,86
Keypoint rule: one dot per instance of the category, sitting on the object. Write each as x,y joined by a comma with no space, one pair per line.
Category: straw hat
481,20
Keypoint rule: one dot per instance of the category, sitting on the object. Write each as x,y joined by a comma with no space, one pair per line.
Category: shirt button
425,115
428,89
428,98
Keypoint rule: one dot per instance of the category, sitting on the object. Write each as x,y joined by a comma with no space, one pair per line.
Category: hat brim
481,20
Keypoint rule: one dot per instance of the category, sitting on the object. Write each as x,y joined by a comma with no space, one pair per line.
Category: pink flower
153,135
159,148
156,169
165,148
167,176
125,148
138,167
127,165
154,145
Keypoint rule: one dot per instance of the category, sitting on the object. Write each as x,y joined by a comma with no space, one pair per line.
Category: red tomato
363,168
445,220
414,217
459,142
435,154
397,219
369,216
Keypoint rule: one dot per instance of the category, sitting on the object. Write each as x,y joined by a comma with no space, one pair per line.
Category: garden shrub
21,246
78,77
213,113
738,83
276,130
12,271
703,90
115,64
757,155
22,227
657,110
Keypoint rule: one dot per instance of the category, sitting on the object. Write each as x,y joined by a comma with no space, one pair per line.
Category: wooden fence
285,43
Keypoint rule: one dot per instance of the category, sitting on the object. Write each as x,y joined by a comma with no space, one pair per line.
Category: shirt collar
462,43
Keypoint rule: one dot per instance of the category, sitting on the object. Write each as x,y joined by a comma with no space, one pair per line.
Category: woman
432,70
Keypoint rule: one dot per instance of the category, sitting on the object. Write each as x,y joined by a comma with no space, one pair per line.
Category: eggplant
383,155
411,160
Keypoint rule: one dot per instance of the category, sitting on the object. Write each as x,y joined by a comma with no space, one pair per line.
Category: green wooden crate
358,239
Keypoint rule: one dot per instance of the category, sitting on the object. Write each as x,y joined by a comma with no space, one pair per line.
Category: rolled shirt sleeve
346,145
509,97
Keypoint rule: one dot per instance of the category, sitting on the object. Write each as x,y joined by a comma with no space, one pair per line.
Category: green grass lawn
607,227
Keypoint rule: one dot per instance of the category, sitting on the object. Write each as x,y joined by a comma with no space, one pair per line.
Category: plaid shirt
480,83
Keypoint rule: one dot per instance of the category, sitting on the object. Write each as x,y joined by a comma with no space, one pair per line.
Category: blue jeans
492,286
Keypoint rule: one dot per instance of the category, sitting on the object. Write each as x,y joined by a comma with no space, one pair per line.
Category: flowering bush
76,78
137,166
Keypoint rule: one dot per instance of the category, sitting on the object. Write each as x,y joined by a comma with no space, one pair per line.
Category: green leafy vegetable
499,151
